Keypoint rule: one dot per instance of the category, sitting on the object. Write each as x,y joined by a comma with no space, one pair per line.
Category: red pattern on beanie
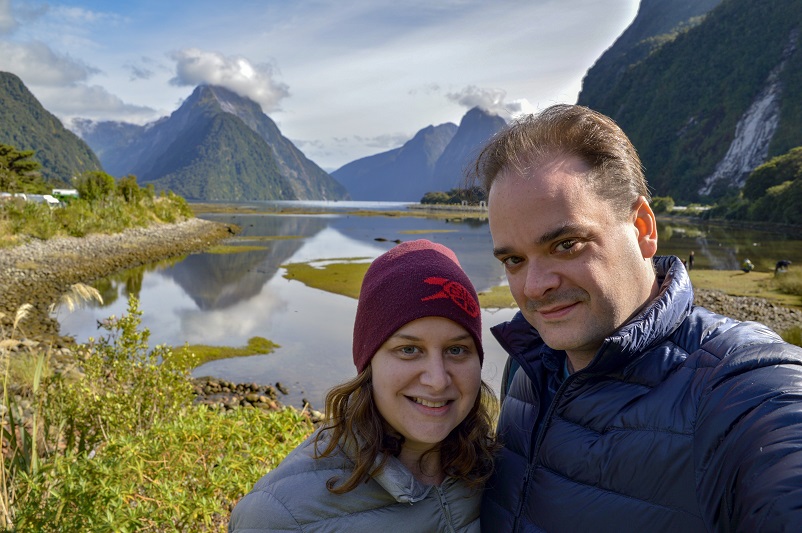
413,280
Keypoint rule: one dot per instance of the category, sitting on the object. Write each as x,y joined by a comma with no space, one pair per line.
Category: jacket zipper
540,435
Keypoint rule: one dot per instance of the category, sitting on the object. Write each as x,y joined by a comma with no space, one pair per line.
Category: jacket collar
661,317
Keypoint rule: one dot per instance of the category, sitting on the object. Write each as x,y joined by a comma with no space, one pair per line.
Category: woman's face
426,377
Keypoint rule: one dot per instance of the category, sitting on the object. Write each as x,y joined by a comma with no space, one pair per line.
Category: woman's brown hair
354,424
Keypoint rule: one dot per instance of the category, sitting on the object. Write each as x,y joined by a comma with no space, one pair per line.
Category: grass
122,447
233,249
205,353
341,277
753,284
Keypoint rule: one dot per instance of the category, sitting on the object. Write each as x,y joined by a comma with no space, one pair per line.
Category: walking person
629,408
406,444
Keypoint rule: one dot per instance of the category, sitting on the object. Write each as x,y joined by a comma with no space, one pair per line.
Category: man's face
577,268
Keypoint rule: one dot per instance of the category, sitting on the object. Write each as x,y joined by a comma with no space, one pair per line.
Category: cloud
490,100
236,73
37,64
91,101
7,22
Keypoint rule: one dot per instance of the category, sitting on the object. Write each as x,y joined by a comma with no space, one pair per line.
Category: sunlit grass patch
419,231
738,283
341,276
793,335
205,353
789,282
496,297
261,238
232,249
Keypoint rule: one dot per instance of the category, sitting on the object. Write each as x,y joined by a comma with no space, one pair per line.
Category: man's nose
540,278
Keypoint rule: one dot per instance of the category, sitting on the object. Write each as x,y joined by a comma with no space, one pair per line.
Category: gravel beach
39,272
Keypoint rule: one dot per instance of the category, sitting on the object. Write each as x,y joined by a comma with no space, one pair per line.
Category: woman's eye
409,350
457,350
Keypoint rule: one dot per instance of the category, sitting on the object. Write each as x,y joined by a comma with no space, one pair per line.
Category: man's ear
646,227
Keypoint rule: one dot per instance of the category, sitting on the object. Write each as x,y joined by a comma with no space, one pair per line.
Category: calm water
224,299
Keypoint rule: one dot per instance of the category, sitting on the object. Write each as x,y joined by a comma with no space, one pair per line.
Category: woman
406,444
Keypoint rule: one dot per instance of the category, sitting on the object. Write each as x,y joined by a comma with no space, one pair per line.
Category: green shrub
662,204
107,214
122,447
182,474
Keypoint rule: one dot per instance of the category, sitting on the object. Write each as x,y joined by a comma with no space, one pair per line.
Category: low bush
120,446
102,208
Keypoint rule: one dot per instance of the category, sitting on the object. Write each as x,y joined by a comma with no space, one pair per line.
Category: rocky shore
39,272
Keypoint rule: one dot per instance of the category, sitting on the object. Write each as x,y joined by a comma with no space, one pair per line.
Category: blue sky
342,79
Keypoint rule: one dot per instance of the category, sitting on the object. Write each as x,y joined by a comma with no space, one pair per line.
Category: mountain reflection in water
225,299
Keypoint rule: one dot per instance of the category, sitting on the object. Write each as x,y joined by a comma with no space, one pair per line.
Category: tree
18,172
129,189
94,185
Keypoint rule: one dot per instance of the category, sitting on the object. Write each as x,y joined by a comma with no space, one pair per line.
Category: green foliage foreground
123,448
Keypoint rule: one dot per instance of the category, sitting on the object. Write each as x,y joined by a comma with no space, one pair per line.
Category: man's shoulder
724,340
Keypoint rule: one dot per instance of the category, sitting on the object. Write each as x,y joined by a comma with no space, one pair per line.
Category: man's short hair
568,130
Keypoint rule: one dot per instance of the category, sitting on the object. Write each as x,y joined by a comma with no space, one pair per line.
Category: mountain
656,22
216,146
435,159
401,174
475,129
711,99
26,125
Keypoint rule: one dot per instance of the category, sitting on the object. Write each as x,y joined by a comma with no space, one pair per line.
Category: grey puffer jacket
294,497
684,421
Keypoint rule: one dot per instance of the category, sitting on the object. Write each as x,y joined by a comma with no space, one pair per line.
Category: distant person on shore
406,444
747,266
628,407
690,260
781,266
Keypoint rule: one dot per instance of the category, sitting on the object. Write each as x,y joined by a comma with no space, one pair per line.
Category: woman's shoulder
280,498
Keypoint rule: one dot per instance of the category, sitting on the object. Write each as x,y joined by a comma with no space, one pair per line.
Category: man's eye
566,245
511,261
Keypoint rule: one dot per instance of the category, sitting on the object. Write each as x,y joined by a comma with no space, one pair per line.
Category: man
630,409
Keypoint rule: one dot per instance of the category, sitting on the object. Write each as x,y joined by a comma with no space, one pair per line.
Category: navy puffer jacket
684,421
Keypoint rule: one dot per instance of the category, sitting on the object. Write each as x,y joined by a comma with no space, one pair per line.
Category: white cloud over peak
490,100
236,73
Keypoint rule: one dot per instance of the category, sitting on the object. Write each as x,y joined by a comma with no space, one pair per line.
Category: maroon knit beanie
413,280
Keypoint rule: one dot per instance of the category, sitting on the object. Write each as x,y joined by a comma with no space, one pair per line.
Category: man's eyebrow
561,231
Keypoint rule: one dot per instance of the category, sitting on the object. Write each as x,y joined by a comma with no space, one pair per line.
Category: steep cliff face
656,22
754,131
710,101
26,125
